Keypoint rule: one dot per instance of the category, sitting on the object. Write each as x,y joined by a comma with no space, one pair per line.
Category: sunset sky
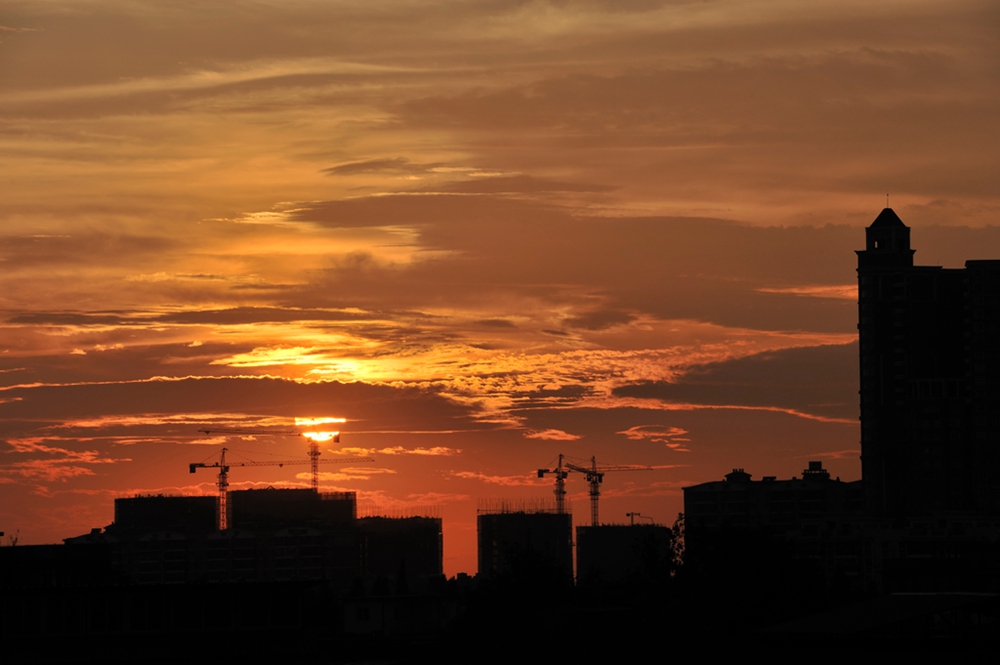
484,233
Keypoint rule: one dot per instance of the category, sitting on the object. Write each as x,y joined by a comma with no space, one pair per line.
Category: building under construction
274,535
401,545
525,540
176,514
270,508
292,561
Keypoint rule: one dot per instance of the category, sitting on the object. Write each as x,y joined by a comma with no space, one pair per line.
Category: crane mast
314,463
222,483
560,472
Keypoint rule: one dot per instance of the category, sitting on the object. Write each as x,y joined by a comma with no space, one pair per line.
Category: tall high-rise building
930,378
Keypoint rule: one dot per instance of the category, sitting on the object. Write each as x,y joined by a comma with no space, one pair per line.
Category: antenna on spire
887,200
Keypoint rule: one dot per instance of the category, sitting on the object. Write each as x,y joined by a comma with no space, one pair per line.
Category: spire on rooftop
887,218
887,243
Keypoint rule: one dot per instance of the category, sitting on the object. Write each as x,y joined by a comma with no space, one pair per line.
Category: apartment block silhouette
930,378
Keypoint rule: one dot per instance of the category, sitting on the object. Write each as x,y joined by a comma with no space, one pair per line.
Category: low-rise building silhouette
739,502
617,553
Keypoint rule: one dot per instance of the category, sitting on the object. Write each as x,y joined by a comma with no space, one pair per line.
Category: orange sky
482,232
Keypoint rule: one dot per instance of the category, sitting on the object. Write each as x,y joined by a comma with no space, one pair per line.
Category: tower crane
314,460
223,466
594,475
632,517
560,472
314,439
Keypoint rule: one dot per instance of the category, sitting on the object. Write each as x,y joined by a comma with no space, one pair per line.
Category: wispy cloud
530,480
551,435
435,451
839,292
156,419
57,464
659,433
387,165
674,438
360,473
203,79
850,454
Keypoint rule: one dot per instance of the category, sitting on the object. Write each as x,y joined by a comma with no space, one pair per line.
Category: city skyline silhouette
484,234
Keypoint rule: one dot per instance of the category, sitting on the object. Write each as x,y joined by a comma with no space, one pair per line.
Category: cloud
436,451
254,315
703,269
207,420
658,433
674,438
496,323
514,184
369,471
56,464
47,470
380,502
432,498
600,320
654,404
850,454
531,480
266,401
164,277
270,356
205,79
845,292
783,379
551,435
391,165
32,445
347,474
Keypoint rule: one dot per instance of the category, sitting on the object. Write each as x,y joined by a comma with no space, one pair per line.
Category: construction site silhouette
909,554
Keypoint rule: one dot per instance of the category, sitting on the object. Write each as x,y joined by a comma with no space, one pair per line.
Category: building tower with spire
930,379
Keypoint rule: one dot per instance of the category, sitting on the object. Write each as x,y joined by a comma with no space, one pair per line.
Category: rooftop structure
739,502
